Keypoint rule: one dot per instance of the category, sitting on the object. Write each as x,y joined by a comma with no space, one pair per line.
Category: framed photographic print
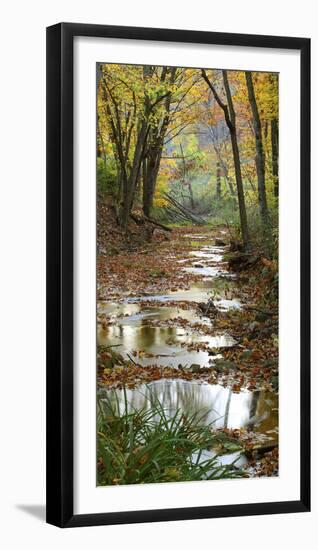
178,273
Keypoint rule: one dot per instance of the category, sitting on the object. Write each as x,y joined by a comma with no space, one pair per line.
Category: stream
159,329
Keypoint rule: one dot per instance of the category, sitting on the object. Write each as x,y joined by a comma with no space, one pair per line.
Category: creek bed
154,330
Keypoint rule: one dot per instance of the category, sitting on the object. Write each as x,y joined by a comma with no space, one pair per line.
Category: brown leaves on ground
256,358
267,465
260,462
128,265
131,375
152,268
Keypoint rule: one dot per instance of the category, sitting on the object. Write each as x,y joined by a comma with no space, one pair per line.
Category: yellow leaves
161,187
107,371
160,202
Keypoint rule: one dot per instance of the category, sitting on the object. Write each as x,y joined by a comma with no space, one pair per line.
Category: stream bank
176,326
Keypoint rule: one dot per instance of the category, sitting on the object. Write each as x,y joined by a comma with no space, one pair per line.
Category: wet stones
195,368
222,365
208,308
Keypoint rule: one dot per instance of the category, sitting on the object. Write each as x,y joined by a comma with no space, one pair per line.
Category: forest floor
184,307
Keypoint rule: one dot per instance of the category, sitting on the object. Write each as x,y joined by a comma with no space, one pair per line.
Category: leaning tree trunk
237,162
240,191
259,159
229,115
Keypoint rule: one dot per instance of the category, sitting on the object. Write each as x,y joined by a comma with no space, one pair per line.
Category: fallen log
173,215
140,220
187,213
161,225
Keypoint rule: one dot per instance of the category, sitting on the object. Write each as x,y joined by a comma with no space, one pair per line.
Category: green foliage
149,446
263,240
106,176
226,211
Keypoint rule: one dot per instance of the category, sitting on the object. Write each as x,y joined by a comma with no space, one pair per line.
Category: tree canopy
206,139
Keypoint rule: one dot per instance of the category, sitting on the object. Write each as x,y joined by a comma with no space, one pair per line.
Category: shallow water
195,236
167,345
209,254
132,322
134,329
203,271
198,292
215,404
136,314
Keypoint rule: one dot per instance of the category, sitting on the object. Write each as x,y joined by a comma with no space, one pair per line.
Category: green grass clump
149,446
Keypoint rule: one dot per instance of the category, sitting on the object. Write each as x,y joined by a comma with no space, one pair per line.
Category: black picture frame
60,274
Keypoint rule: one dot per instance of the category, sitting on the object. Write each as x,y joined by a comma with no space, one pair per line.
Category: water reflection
197,293
256,410
206,271
200,292
196,236
135,314
167,344
114,308
208,254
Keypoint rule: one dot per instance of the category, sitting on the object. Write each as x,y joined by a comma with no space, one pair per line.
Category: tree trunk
229,115
259,159
134,174
230,119
155,146
274,140
145,201
240,191
139,155
230,184
218,182
150,174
